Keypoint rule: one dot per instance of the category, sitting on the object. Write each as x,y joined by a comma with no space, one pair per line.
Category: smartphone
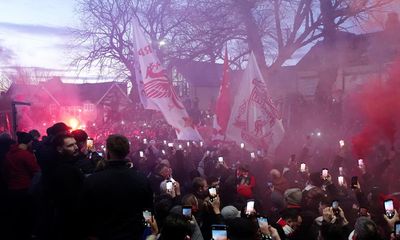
325,173
169,185
242,145
335,207
187,212
141,154
360,163
201,144
219,232
170,145
144,140
262,221
389,208
253,155
397,229
250,207
100,154
180,146
341,143
213,192
146,215
302,167
163,152
89,143
340,180
354,182
220,159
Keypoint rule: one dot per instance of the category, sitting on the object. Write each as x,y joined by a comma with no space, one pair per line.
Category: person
20,167
66,181
113,200
176,227
87,158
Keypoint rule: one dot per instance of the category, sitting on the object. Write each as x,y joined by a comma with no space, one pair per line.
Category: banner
254,120
158,92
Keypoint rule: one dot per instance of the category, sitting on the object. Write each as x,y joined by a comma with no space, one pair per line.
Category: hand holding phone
169,186
389,208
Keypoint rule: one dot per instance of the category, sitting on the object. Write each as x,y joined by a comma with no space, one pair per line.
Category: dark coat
113,201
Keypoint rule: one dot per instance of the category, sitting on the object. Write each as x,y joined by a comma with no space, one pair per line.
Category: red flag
223,104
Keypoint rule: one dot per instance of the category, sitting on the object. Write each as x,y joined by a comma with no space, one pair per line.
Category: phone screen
146,215
169,185
100,154
340,180
302,167
250,207
360,163
89,143
219,232
389,208
141,154
212,191
262,221
170,145
253,155
325,173
335,204
187,211
397,229
220,159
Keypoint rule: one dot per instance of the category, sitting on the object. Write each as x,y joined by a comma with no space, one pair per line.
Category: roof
66,94
199,74
354,50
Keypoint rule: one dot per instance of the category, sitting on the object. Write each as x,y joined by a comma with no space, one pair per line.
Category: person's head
117,147
293,196
35,134
200,187
58,128
24,139
315,179
230,212
191,200
213,182
243,170
163,170
176,227
292,217
366,229
65,144
81,138
275,174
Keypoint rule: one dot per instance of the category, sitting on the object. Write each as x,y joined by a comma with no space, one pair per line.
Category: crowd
65,186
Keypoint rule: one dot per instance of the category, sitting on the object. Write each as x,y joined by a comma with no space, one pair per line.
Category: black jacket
113,201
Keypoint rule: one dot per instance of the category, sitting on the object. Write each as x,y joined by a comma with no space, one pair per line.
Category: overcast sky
36,31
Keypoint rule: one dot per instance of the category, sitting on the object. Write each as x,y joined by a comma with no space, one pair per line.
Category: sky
36,31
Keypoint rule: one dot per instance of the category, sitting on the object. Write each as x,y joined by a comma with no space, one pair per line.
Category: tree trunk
253,36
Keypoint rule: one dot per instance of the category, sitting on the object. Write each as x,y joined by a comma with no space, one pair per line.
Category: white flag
158,90
254,119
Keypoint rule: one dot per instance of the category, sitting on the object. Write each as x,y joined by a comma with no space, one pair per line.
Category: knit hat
230,212
293,196
24,137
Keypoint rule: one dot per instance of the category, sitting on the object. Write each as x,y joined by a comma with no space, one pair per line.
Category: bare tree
198,29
